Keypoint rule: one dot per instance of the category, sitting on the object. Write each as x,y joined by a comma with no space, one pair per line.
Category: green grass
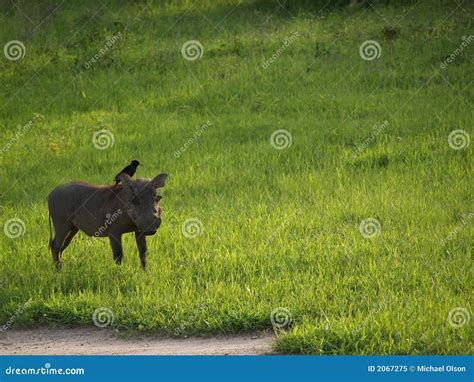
281,227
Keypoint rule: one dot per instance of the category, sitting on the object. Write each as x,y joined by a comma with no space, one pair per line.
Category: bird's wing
121,172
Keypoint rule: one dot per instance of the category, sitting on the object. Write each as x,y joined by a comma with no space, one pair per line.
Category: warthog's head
141,201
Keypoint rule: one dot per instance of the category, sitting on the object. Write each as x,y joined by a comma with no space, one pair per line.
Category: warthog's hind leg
70,235
62,238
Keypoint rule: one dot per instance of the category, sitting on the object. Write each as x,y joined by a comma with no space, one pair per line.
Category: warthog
102,211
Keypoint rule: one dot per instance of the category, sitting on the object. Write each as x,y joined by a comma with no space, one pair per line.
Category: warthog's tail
50,231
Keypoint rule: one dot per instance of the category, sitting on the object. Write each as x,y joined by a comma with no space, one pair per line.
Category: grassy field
282,243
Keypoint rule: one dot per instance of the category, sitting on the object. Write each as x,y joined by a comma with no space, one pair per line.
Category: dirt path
90,341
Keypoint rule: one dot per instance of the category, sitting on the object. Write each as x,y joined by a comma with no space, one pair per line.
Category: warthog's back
66,199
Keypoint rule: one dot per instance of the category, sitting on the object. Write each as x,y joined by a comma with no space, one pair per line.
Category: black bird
129,170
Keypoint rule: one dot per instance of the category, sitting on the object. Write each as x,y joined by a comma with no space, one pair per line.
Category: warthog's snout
148,221
153,227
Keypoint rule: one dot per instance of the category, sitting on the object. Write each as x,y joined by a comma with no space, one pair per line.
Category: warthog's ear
159,180
125,179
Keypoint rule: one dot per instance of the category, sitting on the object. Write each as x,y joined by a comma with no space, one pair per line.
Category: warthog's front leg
141,245
117,250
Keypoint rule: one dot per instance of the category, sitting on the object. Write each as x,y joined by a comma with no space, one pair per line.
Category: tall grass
280,227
